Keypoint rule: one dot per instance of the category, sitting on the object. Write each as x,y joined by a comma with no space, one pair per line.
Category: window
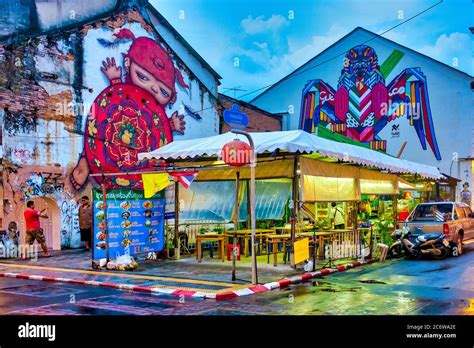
432,212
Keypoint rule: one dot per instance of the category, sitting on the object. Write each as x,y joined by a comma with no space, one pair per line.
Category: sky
271,38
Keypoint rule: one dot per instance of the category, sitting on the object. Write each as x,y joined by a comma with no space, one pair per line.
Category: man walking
85,221
33,227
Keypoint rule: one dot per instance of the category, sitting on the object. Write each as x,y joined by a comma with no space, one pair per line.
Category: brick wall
259,121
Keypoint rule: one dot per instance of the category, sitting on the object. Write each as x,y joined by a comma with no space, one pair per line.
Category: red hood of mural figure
124,121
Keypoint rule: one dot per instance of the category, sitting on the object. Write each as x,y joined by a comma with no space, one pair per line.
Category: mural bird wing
408,96
317,105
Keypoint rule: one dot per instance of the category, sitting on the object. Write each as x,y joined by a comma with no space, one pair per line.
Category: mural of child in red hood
129,117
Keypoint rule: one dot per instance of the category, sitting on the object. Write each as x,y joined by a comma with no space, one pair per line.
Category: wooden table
210,237
247,236
275,239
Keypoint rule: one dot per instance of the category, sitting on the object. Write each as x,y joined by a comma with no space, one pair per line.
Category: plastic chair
209,245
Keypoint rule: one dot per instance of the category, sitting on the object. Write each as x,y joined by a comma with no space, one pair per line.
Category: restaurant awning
293,142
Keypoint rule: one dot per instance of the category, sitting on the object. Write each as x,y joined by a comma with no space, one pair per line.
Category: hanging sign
301,250
236,118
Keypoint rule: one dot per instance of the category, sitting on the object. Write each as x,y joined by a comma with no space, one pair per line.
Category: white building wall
449,94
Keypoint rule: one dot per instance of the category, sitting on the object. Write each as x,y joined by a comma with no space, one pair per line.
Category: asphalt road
405,287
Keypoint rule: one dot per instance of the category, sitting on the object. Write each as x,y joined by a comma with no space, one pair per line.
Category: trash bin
230,248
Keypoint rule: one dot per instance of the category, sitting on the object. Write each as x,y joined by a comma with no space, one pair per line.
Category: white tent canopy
296,141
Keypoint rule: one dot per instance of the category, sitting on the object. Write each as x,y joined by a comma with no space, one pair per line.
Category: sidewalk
185,277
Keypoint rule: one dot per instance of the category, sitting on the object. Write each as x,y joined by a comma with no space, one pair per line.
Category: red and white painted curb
149,289
285,282
282,283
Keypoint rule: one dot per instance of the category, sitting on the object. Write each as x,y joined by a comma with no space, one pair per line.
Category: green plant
203,230
278,223
218,229
385,233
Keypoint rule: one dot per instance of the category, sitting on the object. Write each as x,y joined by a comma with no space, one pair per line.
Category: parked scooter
417,245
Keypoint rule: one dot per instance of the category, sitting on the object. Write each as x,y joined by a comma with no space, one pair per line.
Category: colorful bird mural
364,104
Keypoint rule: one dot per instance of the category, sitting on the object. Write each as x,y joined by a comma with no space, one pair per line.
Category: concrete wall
449,94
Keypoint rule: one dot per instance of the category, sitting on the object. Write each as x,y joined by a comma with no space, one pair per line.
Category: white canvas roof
295,141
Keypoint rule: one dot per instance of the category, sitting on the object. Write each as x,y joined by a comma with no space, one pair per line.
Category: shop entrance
51,225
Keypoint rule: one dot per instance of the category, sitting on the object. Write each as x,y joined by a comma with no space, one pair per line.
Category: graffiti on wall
364,104
129,116
42,184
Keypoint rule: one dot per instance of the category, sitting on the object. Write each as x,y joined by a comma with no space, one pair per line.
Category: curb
285,282
282,283
147,289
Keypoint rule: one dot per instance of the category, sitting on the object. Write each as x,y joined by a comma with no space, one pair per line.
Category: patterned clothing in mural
129,117
364,104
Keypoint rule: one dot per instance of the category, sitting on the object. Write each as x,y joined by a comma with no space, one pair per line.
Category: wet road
425,287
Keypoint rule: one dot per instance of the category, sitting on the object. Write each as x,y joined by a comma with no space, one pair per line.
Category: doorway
51,226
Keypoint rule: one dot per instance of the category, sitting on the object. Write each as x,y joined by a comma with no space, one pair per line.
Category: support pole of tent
104,194
395,210
247,187
253,164
176,221
236,222
294,194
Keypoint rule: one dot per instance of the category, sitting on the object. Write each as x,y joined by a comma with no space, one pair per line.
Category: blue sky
271,38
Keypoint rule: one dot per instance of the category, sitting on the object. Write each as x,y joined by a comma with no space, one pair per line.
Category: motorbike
417,245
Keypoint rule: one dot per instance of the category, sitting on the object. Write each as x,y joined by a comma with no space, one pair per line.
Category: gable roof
358,29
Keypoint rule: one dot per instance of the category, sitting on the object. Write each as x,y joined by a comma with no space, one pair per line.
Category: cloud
258,25
453,50
298,55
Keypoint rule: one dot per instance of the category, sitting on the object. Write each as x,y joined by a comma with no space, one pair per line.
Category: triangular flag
153,183
185,178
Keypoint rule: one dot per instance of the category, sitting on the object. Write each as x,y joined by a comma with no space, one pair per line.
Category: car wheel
459,247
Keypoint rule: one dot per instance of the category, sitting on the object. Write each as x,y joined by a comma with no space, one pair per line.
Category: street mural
129,116
364,103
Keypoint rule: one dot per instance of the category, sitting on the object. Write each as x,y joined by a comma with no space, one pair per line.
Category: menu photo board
133,222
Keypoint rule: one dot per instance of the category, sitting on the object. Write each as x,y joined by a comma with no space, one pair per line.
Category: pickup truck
455,220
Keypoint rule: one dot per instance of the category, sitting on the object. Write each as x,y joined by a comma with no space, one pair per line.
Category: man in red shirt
33,227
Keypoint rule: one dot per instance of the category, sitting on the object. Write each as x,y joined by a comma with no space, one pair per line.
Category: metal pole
253,163
176,221
252,209
294,194
104,194
236,222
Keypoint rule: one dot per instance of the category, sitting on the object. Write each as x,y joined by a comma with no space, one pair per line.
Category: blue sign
236,118
133,222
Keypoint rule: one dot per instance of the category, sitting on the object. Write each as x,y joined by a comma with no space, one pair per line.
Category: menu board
133,223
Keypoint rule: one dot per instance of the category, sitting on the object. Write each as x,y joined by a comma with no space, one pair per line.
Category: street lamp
253,164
